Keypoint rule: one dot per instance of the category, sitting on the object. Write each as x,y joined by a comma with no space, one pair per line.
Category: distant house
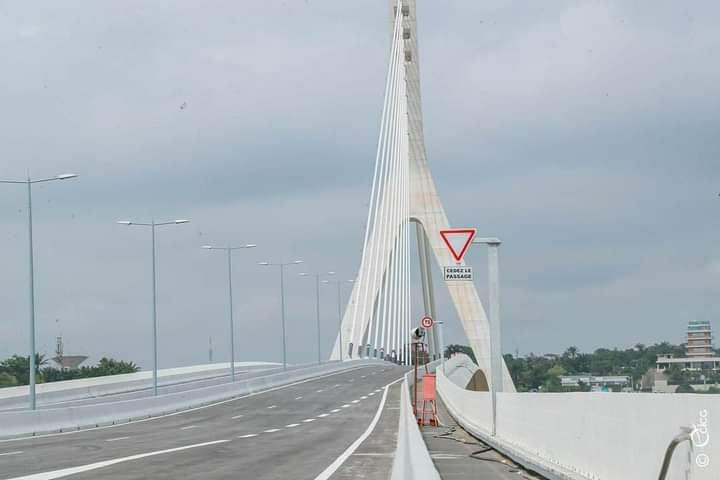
66,362
595,382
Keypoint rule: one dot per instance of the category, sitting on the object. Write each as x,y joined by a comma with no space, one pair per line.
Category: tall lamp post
282,301
317,306
229,251
29,182
338,282
495,344
153,225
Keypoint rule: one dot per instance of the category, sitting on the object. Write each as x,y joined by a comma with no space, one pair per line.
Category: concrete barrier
614,436
68,390
29,422
412,460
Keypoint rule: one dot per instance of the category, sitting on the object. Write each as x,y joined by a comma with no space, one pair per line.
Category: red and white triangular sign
458,240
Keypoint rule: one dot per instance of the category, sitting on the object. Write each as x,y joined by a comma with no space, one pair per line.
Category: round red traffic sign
426,322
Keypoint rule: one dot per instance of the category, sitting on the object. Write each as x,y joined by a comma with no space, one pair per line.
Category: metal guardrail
683,436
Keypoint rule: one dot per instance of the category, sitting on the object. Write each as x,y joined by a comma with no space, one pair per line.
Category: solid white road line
189,427
66,472
332,468
18,452
292,425
116,439
249,435
182,412
236,417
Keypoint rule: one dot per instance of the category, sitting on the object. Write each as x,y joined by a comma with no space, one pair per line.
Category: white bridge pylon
377,320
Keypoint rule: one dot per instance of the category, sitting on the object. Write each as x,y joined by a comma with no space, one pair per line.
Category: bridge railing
593,435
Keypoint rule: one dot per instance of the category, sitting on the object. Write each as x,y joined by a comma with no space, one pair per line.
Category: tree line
16,370
542,373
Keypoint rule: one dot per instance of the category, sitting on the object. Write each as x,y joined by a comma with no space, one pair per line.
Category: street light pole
495,344
229,251
282,301
339,306
32,367
32,364
153,225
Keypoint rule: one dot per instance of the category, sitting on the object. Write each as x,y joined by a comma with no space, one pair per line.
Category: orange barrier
429,396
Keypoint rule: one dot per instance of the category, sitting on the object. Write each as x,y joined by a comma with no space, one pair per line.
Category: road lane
304,432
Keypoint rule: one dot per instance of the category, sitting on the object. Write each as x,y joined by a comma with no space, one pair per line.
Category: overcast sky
584,134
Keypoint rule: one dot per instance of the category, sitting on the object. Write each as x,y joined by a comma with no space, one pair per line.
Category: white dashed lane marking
292,425
272,430
236,417
345,406
249,435
355,401
189,427
298,398
320,391
371,394
323,415
308,420
272,406
335,411
116,439
364,397
18,452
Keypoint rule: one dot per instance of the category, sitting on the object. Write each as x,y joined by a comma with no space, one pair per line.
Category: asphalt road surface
291,432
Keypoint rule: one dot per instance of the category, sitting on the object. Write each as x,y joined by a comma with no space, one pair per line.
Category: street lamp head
326,281
265,264
66,176
331,273
124,222
298,262
303,274
249,245
181,220
493,241
350,281
207,247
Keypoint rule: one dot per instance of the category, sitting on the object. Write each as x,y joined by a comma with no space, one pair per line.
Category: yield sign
458,240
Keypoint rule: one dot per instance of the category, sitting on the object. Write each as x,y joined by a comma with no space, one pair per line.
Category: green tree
685,388
454,348
7,380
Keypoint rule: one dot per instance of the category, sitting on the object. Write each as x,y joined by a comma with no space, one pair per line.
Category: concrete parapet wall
13,397
412,460
599,436
29,422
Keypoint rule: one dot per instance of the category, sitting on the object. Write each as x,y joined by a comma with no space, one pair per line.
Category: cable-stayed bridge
352,417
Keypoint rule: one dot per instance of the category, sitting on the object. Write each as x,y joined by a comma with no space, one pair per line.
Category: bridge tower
424,211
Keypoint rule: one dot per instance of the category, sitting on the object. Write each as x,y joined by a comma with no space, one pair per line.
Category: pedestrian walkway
457,455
